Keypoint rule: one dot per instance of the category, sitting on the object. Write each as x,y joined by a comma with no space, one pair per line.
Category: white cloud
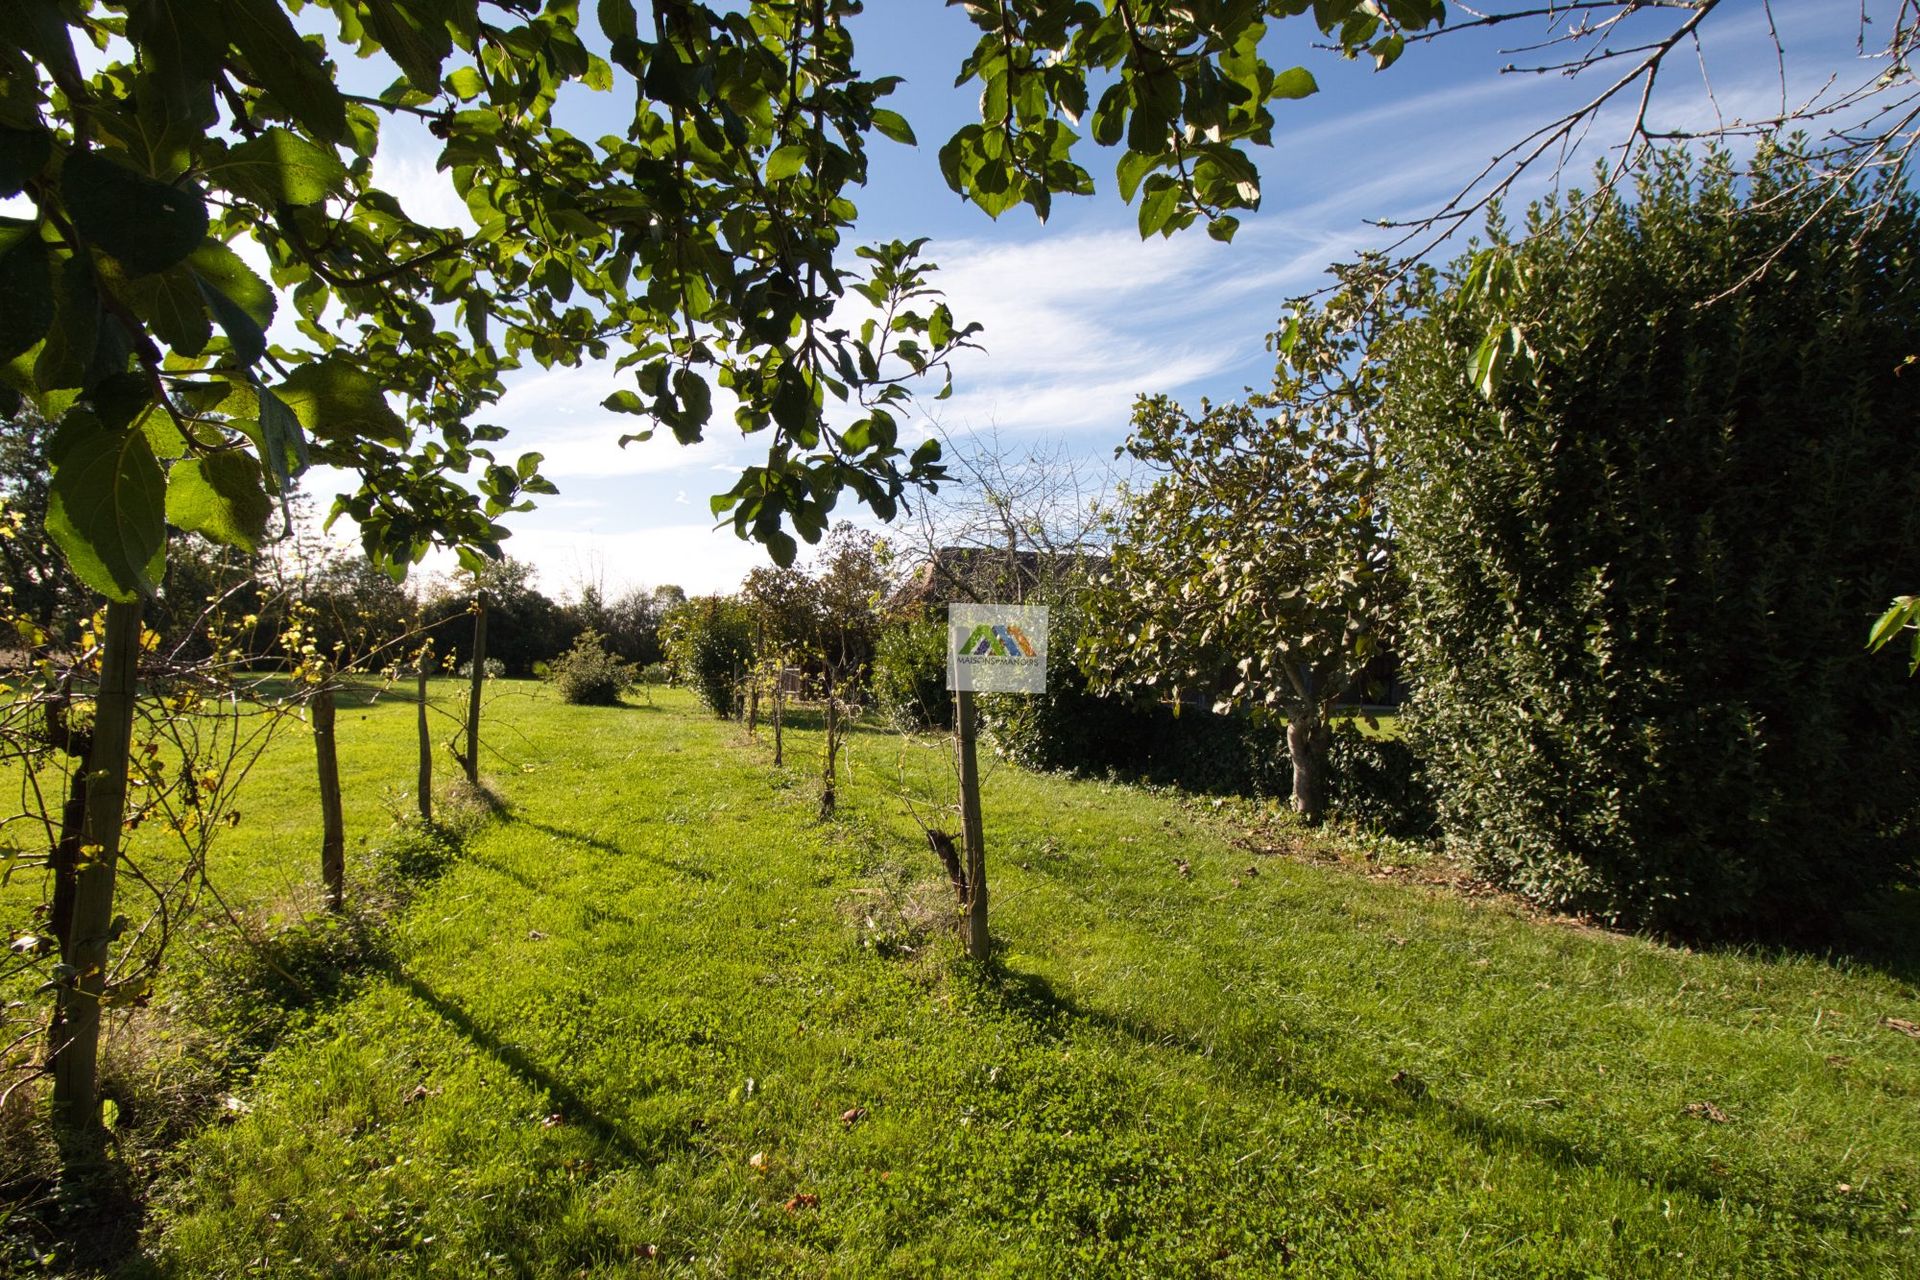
695,556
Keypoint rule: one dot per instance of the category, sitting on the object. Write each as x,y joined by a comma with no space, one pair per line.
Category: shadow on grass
1887,939
230,1002
688,869
1033,998
567,1102
594,912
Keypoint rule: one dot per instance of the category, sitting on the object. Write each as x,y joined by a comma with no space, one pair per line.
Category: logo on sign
997,648
1006,641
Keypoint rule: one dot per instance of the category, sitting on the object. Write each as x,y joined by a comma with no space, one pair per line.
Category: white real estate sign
997,648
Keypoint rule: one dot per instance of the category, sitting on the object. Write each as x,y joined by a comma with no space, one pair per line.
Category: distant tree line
355,607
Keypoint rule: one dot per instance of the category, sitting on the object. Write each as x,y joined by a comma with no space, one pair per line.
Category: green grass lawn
657,1019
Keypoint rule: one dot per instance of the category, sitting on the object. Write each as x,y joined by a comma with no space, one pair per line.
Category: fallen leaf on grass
803,1200
1901,1025
419,1093
852,1116
1180,864
1408,1083
758,1160
553,1121
1707,1111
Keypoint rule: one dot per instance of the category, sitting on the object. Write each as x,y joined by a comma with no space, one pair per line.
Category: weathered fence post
333,838
472,759
971,833
779,700
424,782
828,800
991,648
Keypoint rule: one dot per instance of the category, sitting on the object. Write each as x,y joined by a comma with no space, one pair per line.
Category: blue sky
1080,315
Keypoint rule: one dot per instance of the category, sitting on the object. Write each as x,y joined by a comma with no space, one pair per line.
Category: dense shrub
1642,577
709,642
910,675
1371,781
588,675
1379,783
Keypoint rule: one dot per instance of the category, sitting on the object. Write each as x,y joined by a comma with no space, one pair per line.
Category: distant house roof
981,574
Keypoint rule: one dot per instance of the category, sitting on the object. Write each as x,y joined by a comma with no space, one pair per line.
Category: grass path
658,1020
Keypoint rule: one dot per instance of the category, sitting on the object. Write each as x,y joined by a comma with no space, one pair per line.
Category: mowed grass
657,1019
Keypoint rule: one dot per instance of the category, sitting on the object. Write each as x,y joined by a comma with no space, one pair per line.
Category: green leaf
334,400
147,225
75,331
781,546
171,304
1387,50
280,166
1297,82
1158,207
466,83
221,497
222,268
243,331
1133,166
695,396
106,508
289,67
23,154
785,162
895,126
414,34
1110,117
282,446
1904,613
1223,227
180,44
26,282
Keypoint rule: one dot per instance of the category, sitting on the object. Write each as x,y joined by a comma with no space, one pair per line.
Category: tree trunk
971,832
76,1103
333,836
66,852
471,761
1308,740
424,783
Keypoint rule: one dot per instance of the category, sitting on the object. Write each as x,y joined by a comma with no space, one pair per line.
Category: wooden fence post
424,782
779,699
333,838
829,800
472,758
970,828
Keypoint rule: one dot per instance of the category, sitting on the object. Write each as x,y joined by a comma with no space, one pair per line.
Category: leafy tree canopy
705,243
1255,569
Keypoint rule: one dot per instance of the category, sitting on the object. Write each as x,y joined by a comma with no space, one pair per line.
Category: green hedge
1373,782
1642,582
